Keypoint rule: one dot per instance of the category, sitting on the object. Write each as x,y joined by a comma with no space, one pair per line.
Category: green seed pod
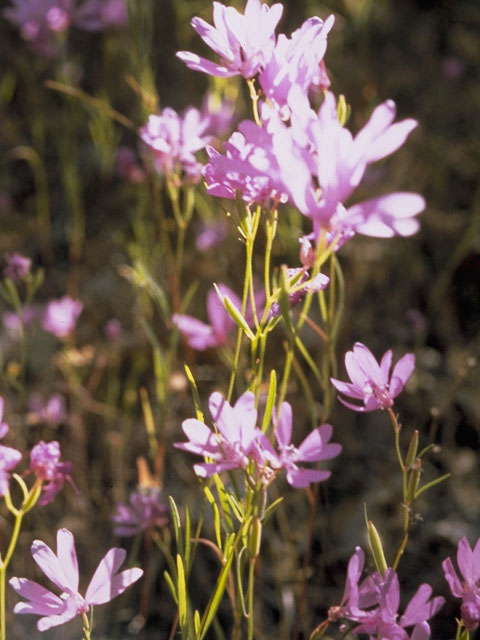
376,548
255,537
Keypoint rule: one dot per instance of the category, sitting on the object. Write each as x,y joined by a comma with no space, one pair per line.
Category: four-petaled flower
370,381
62,569
468,561
233,441
315,447
244,42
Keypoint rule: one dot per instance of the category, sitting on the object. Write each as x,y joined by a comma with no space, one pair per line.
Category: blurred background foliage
64,204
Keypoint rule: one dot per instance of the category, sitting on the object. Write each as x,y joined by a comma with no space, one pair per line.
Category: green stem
86,626
251,581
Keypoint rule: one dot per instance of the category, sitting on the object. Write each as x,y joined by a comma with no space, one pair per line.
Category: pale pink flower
371,383
52,411
45,464
244,42
17,266
174,139
62,569
314,448
468,561
145,509
232,444
296,61
61,316
301,285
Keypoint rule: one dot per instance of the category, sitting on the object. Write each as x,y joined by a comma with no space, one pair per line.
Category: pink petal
401,373
199,335
42,601
388,215
105,585
196,63
452,578
67,556
223,416
51,565
348,389
283,430
465,561
301,478
315,446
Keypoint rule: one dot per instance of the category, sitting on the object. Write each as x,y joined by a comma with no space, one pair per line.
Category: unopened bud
255,537
376,548
412,450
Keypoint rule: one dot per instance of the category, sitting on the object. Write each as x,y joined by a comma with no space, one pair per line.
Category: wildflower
210,235
468,561
52,411
17,266
128,166
62,569
174,139
113,330
244,42
296,61
370,381
9,458
41,23
336,162
314,448
144,510
61,316
202,336
374,604
45,463
301,285
233,441
96,15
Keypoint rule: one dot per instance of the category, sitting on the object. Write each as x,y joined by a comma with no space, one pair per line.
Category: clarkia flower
52,411
145,509
45,464
202,336
371,382
468,561
244,42
62,569
61,316
374,605
174,139
96,15
296,61
9,458
231,444
17,267
40,22
314,448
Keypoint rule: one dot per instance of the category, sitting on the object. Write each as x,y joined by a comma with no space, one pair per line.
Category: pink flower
374,604
9,458
95,15
62,570
17,266
40,22
45,463
174,139
234,441
301,285
61,316
296,61
468,561
51,411
370,382
201,336
336,161
314,448
244,42
144,510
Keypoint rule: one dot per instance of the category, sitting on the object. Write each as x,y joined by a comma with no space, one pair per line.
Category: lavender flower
370,381
468,561
296,62
96,15
61,316
45,463
374,605
314,448
62,569
17,266
233,441
41,22
144,510
244,42
201,336
210,235
9,458
52,411
174,140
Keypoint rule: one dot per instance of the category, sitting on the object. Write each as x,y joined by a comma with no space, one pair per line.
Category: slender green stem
251,582
86,626
254,96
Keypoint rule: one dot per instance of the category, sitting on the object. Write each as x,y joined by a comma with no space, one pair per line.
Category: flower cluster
373,604
308,158
236,443
145,509
45,463
468,561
